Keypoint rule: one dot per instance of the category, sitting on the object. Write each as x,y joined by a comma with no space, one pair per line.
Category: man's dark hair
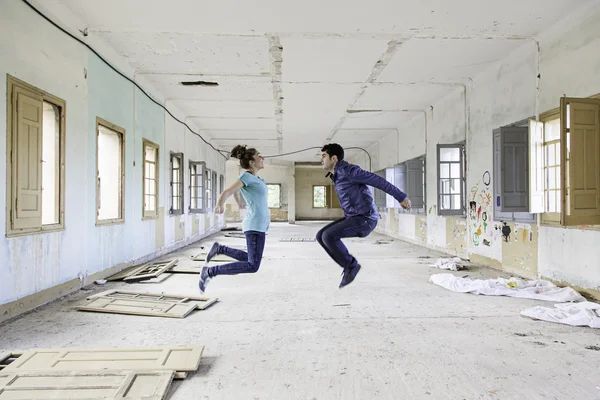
334,149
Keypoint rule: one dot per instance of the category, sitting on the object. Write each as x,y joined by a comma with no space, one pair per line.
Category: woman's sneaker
204,279
212,252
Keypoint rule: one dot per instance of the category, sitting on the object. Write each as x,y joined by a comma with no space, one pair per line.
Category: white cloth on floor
534,289
576,314
453,264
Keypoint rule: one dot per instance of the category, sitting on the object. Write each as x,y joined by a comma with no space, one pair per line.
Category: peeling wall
456,232
506,93
421,228
520,250
59,65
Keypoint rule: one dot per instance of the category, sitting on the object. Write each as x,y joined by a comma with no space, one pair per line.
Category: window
274,195
410,178
36,164
320,196
570,142
110,173
208,191
214,190
176,183
150,188
451,179
552,162
197,186
511,173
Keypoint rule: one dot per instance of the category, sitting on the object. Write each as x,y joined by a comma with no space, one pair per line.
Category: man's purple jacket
356,199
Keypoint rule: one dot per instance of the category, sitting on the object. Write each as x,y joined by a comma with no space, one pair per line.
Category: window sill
578,227
454,216
149,217
31,232
110,222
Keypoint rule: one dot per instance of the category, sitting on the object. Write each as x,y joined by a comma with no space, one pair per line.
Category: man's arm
368,178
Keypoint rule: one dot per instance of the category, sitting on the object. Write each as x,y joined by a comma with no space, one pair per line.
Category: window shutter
580,137
514,179
27,160
400,177
536,167
415,183
497,179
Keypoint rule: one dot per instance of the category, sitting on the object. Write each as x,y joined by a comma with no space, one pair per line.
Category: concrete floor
288,332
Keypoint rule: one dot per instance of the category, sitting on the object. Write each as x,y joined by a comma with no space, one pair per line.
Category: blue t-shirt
258,217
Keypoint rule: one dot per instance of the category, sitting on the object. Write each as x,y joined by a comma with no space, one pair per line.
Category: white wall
506,93
39,54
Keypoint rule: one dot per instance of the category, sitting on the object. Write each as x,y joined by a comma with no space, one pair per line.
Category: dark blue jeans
247,263
330,237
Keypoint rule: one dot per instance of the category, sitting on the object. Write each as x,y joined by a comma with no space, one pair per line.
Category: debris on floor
159,279
143,272
534,289
575,314
109,373
146,304
235,234
297,239
453,264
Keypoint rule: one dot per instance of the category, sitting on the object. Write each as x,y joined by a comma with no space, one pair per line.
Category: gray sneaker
204,279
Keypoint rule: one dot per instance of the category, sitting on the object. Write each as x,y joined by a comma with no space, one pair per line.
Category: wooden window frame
150,214
121,131
327,201
181,184
551,218
462,212
11,83
191,164
559,219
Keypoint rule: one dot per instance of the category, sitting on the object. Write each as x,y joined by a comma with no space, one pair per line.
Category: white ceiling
288,70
